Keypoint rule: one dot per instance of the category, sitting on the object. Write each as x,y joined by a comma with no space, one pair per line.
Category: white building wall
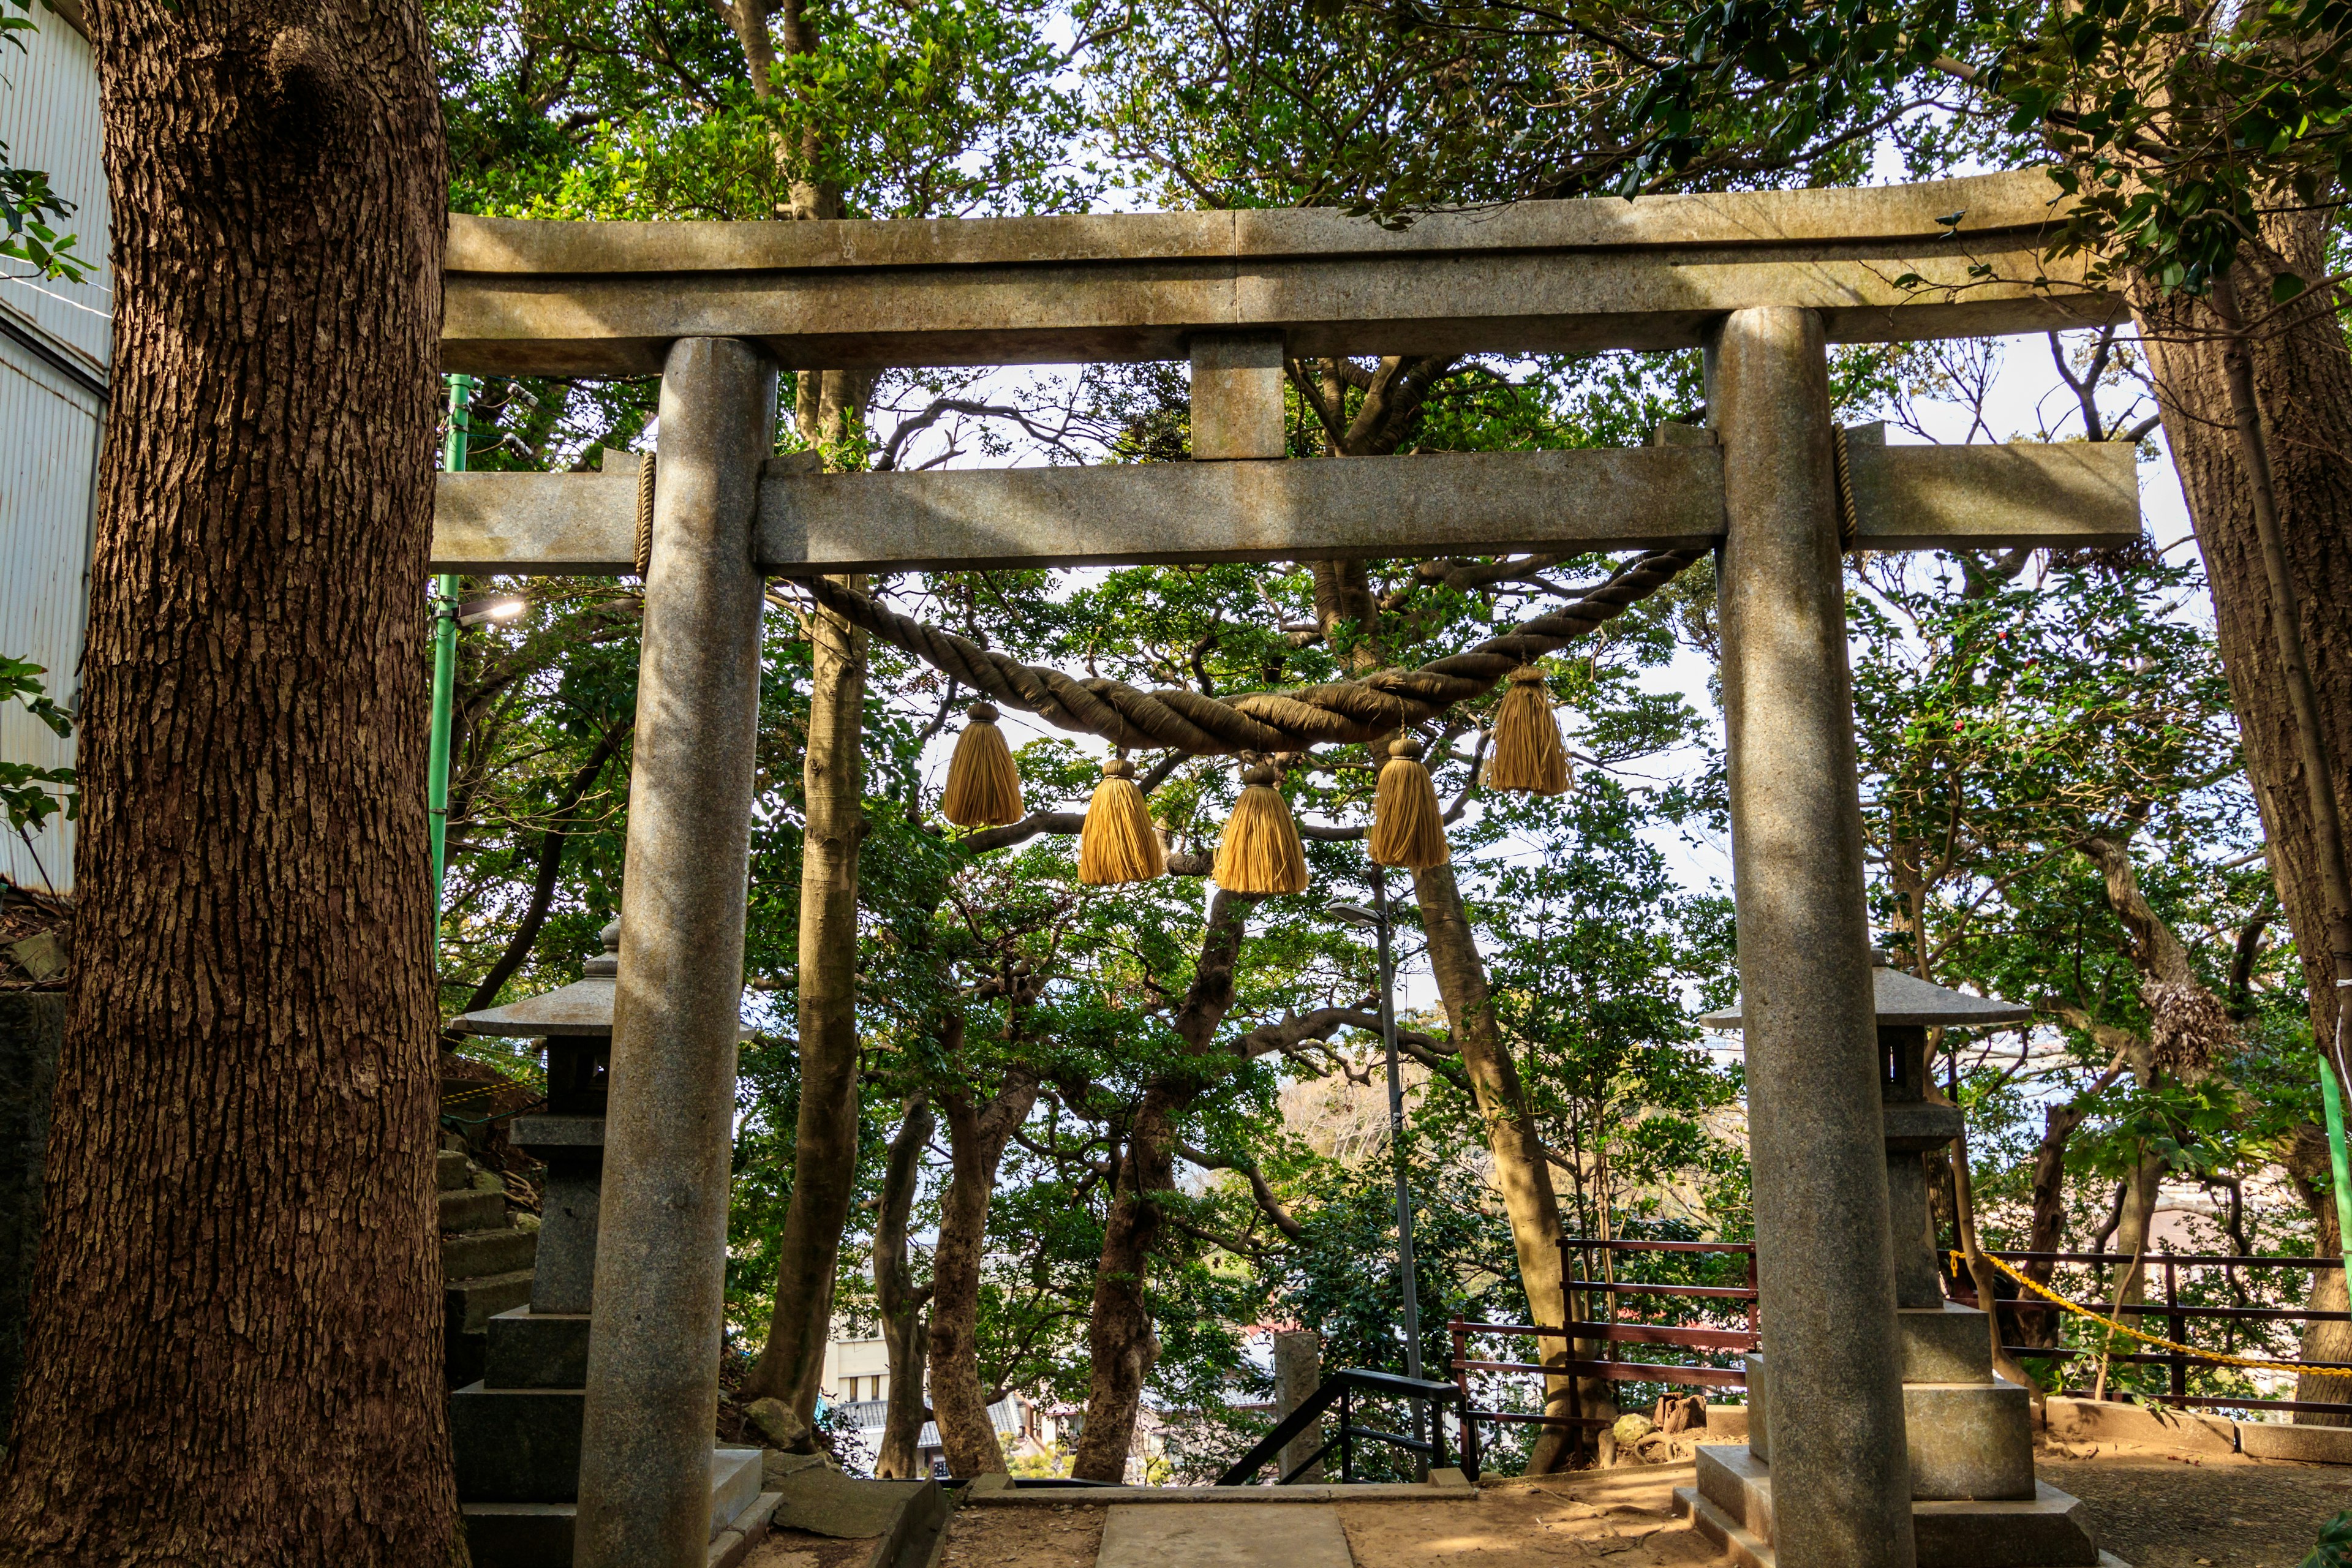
55,341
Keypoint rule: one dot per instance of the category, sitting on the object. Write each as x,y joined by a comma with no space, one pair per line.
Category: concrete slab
2113,1421
1008,1496
1223,1535
2312,1444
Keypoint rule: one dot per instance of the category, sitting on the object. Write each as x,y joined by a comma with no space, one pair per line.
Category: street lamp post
1376,919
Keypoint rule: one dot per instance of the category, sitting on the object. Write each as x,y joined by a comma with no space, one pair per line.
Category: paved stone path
1223,1535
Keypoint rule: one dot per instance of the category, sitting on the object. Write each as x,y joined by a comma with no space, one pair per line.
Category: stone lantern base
1975,1500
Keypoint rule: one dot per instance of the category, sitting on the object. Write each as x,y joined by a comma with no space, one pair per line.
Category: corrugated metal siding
46,467
50,118
50,423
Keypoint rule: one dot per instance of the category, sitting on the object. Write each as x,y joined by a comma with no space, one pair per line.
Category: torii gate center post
1764,281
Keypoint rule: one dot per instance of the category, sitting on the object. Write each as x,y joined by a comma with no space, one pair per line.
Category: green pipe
444,664
2332,1094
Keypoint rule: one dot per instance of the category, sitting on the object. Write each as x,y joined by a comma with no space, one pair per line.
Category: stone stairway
487,1259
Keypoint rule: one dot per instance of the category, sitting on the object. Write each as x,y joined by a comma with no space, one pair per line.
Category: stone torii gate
1764,282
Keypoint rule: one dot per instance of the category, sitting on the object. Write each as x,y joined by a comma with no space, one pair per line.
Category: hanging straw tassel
983,786
1527,753
1119,842
1408,828
1260,853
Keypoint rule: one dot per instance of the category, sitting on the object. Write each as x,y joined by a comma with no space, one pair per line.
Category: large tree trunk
1520,1168
824,1154
906,1336
2302,381
977,1134
2307,1164
1120,1344
234,1353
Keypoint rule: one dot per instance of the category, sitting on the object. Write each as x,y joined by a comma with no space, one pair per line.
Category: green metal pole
2332,1093
445,663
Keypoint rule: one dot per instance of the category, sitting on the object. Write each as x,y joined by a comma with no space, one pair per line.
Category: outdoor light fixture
1353,914
479,612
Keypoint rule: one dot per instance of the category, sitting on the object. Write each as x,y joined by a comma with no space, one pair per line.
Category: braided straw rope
2081,1311
1339,712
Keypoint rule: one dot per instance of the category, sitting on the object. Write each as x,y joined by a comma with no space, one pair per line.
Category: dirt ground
2158,1508
1066,1535
1623,1517
800,1548
2152,1507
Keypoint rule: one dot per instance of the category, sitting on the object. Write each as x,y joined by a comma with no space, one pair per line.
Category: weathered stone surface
1223,1535
470,1304
451,1171
2312,1444
1945,1343
1970,1440
2114,1421
1237,405
823,1501
516,1445
2073,495
1565,277
1816,1130
529,1349
32,1027
471,1209
2047,1530
661,1245
483,1252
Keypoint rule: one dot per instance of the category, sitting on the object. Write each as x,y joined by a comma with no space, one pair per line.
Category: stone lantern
515,1435
1975,1500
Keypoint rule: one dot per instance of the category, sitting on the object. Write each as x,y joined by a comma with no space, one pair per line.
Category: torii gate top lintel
1879,262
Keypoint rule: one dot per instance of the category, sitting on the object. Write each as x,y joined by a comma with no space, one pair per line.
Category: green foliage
26,198
32,794
2334,1549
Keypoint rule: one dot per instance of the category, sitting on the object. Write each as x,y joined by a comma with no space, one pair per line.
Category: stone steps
486,1260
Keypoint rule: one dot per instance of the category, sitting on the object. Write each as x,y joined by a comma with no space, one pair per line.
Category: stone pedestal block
1970,1440
573,1149
1732,1505
516,1445
531,1349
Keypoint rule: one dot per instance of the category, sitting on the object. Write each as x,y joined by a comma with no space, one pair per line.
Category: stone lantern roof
1903,999
584,1007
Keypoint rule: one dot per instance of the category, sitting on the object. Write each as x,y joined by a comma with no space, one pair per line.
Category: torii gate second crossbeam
1764,281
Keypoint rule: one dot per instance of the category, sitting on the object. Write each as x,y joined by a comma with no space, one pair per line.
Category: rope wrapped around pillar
1339,712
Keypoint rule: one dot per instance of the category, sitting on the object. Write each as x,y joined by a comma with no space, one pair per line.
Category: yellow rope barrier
464,1095
2080,1310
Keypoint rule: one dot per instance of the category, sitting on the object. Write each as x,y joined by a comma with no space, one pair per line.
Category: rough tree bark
2302,379
2306,1162
237,1304
898,1303
1120,1344
825,1155
977,1134
1520,1168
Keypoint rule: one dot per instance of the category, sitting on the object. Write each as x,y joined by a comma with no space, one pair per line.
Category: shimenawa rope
1338,713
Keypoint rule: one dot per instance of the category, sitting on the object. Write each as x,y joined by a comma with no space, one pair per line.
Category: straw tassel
1119,842
1527,754
1408,828
983,786
1260,853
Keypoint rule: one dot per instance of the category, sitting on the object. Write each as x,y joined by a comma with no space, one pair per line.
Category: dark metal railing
2177,1317
1340,1388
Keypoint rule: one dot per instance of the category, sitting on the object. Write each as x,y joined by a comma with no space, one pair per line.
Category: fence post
1347,1438
2178,1335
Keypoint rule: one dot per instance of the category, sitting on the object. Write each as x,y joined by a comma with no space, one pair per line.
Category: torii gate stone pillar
1762,281
661,1251
1816,1139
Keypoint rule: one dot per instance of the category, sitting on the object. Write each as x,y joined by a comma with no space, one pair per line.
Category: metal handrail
1338,1389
